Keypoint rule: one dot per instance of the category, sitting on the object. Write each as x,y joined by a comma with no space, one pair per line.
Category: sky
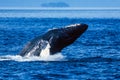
71,3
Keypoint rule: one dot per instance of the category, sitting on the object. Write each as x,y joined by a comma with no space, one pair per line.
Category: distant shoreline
51,8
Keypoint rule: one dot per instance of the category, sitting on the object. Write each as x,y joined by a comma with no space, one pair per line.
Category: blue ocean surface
93,56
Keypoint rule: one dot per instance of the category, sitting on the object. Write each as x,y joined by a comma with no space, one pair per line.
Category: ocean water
93,56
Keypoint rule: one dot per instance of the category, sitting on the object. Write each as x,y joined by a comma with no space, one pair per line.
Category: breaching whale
55,40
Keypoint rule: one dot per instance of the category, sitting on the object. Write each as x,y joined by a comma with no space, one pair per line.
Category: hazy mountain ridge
55,4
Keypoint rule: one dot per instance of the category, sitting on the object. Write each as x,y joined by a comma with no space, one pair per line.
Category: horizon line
59,8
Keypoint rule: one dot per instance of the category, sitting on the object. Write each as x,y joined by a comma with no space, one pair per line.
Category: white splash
44,56
56,57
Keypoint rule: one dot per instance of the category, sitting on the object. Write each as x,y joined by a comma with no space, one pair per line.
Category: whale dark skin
57,39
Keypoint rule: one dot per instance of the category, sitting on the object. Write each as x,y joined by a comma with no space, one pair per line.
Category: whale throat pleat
46,51
42,49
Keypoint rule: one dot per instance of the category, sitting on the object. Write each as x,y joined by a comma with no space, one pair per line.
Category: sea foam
56,57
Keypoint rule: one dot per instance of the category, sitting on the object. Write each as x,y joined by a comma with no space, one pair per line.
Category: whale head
66,36
75,30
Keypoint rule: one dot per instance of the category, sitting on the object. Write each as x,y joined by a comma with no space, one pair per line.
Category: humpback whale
55,40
